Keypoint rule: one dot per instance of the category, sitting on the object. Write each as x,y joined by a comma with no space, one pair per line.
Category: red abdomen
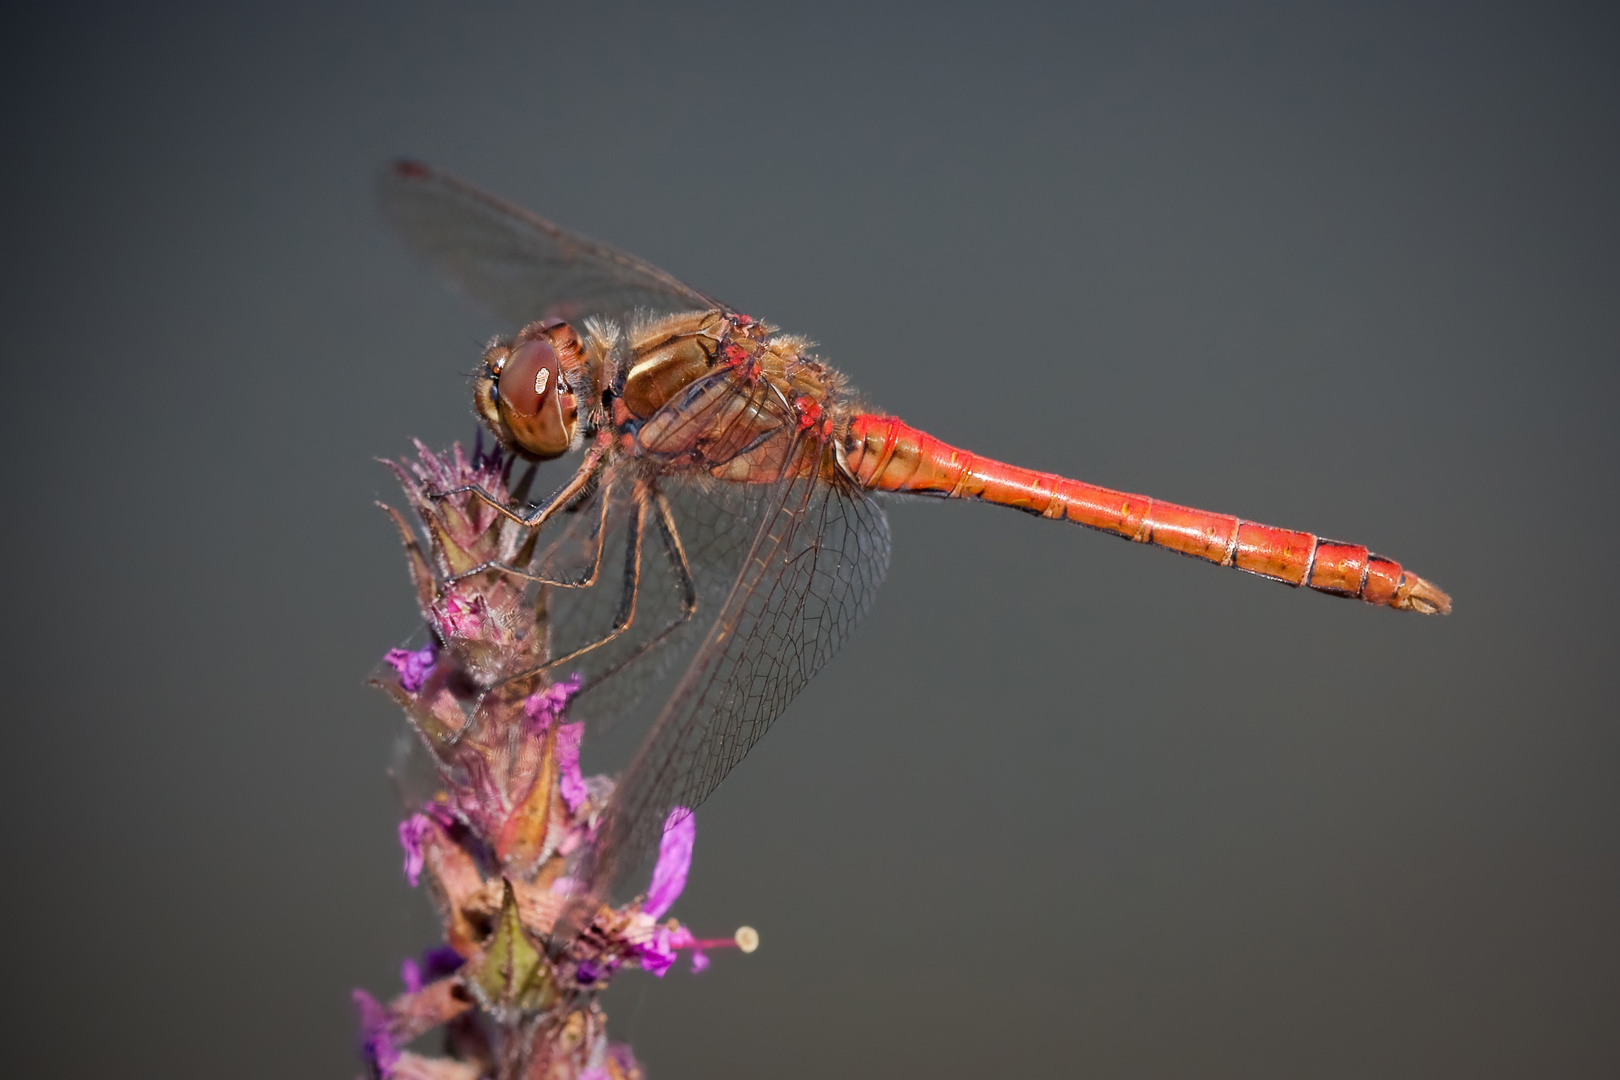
883,453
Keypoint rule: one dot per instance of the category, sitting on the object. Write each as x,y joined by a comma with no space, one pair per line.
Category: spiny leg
675,552
541,514
621,621
626,614
582,583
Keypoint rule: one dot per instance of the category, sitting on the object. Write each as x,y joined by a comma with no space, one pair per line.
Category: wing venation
517,263
810,576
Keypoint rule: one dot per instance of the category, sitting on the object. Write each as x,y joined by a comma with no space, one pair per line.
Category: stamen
746,939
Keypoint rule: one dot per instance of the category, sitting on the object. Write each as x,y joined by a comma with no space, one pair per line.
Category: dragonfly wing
810,576
517,263
629,677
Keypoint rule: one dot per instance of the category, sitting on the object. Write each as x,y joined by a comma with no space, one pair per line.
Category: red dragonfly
750,466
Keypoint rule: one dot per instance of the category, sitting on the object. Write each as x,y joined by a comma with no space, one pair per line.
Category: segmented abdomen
883,453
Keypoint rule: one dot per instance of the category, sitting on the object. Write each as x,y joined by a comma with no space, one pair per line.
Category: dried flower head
507,816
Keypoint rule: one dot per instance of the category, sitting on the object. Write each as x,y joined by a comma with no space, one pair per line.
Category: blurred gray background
1065,805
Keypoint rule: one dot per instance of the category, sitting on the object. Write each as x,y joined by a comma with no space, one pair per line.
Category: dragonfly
732,476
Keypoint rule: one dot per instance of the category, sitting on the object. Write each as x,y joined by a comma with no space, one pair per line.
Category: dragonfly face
527,390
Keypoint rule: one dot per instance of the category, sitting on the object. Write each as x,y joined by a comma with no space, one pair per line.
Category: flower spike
511,818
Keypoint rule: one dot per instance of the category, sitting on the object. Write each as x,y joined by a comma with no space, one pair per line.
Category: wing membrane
515,262
717,525
809,578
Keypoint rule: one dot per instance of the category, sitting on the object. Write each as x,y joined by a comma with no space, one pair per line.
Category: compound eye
529,377
538,418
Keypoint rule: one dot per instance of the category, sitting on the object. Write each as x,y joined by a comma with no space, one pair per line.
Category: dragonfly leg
621,621
585,582
676,554
626,614
540,514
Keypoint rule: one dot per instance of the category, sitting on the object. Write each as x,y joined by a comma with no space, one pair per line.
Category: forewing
809,578
517,263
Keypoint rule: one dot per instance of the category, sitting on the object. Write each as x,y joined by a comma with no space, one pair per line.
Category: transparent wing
518,264
807,580
629,678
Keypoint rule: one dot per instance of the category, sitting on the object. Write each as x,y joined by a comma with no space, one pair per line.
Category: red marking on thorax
741,359
809,410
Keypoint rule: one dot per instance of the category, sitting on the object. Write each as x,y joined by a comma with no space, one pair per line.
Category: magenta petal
570,782
700,962
377,1042
463,618
413,666
674,860
657,964
411,832
439,961
546,706
657,954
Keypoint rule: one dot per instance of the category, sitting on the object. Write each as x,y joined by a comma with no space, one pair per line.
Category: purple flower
657,954
411,975
439,961
546,706
570,781
503,764
674,860
377,1043
412,831
436,963
413,667
463,618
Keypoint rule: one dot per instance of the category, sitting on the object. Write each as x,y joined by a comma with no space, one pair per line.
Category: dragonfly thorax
669,355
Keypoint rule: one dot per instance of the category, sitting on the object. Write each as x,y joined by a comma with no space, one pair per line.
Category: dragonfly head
526,391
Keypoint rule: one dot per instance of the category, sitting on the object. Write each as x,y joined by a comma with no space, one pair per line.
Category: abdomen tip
1423,597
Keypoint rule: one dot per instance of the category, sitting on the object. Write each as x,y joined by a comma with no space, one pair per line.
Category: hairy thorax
729,394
